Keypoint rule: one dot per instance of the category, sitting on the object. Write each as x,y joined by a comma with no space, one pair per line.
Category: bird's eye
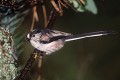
33,35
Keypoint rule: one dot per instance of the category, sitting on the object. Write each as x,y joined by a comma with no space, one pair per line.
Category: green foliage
89,5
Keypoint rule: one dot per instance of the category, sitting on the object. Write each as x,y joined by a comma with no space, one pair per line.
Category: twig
82,1
52,19
44,13
39,67
28,65
35,17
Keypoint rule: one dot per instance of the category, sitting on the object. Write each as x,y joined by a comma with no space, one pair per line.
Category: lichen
8,71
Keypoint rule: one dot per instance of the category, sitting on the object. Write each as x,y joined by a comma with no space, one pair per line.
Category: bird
50,41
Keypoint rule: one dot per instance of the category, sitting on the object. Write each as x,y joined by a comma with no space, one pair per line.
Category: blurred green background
95,58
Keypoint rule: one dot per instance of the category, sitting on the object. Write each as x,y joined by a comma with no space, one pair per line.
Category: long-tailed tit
50,41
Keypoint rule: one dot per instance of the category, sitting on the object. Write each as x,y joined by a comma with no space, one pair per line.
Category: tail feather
87,35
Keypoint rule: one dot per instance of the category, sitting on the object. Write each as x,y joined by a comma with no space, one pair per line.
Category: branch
52,19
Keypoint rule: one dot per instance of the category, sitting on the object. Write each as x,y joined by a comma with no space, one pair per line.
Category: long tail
87,35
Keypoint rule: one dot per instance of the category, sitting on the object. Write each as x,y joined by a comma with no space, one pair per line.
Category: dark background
95,58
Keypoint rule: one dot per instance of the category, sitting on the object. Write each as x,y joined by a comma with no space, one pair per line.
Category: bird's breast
48,48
